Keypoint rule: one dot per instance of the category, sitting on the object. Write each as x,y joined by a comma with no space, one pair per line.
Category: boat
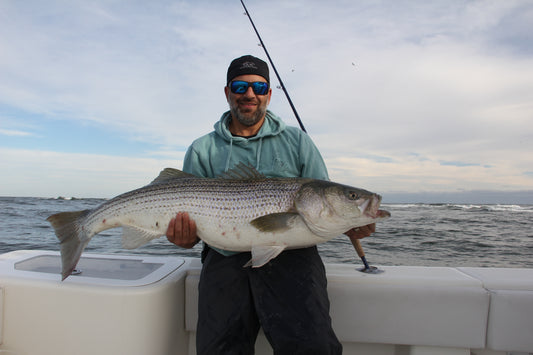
147,305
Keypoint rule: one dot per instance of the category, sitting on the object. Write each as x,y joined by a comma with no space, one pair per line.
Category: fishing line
356,243
274,67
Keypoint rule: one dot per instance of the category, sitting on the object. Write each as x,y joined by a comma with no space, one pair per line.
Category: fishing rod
273,67
356,243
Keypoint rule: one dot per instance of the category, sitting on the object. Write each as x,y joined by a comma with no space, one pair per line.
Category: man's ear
226,92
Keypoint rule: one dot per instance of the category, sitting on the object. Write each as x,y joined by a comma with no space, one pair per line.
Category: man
287,297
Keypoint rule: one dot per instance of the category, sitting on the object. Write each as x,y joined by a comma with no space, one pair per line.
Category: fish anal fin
274,222
134,237
262,254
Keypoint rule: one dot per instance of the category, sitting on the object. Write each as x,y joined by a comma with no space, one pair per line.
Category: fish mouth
370,207
383,214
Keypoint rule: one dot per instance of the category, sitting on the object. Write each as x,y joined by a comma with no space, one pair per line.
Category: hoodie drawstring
258,157
229,154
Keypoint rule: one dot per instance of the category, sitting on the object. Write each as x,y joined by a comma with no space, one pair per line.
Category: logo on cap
246,65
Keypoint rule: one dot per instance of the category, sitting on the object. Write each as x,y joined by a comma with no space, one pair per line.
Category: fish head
330,209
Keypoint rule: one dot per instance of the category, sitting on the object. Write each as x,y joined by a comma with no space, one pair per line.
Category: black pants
287,297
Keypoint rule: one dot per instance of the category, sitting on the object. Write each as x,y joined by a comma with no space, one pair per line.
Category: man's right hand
182,231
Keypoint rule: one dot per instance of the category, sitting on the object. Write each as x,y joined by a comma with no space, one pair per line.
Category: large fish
240,211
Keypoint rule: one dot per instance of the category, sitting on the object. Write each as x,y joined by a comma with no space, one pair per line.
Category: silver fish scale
234,199
242,200
211,198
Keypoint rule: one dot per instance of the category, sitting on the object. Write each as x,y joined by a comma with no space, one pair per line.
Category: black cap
247,64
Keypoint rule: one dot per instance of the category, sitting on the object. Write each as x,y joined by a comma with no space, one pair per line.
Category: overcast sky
401,97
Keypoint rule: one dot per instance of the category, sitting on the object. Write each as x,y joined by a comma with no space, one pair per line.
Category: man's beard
245,118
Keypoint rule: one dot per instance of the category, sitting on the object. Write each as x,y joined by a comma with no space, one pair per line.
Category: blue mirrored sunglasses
240,87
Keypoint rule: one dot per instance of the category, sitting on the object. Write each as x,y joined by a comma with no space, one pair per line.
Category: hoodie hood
272,126
277,150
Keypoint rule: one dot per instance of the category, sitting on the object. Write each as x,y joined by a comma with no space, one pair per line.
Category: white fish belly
243,236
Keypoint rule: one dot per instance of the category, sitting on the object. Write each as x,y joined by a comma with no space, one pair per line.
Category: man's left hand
361,232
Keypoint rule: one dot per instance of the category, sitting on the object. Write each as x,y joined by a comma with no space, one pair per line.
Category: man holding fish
287,295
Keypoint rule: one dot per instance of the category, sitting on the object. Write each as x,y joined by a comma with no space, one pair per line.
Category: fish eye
352,195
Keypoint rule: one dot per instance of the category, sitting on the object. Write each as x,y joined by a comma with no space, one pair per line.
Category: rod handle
358,248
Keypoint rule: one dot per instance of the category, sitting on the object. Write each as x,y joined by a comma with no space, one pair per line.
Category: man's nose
249,92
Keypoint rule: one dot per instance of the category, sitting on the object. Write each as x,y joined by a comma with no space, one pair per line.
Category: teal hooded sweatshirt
277,150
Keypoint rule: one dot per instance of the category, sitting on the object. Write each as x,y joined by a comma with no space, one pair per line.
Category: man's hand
182,231
361,232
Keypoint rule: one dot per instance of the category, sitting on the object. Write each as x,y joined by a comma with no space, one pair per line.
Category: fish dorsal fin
171,174
242,171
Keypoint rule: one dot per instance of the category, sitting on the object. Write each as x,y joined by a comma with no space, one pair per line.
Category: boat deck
148,305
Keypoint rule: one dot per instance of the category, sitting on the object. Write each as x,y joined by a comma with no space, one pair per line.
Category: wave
512,208
496,208
463,206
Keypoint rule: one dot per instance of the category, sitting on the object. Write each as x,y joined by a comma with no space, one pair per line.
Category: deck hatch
100,267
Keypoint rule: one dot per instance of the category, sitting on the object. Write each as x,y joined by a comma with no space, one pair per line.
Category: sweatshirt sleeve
192,163
312,164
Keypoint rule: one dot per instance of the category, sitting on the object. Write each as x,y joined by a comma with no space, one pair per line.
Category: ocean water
416,234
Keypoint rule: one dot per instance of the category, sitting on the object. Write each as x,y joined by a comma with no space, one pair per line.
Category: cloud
457,163
434,82
411,174
14,133
52,174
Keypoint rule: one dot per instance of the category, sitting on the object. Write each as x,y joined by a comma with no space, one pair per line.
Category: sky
415,100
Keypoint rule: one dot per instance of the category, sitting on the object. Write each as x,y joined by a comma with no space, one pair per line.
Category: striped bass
239,211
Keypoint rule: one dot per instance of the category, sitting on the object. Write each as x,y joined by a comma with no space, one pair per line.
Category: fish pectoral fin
134,237
262,254
274,222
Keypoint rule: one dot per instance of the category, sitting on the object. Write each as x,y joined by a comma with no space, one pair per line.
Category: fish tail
73,239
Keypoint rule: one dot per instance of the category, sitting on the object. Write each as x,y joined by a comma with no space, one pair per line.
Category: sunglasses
240,87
